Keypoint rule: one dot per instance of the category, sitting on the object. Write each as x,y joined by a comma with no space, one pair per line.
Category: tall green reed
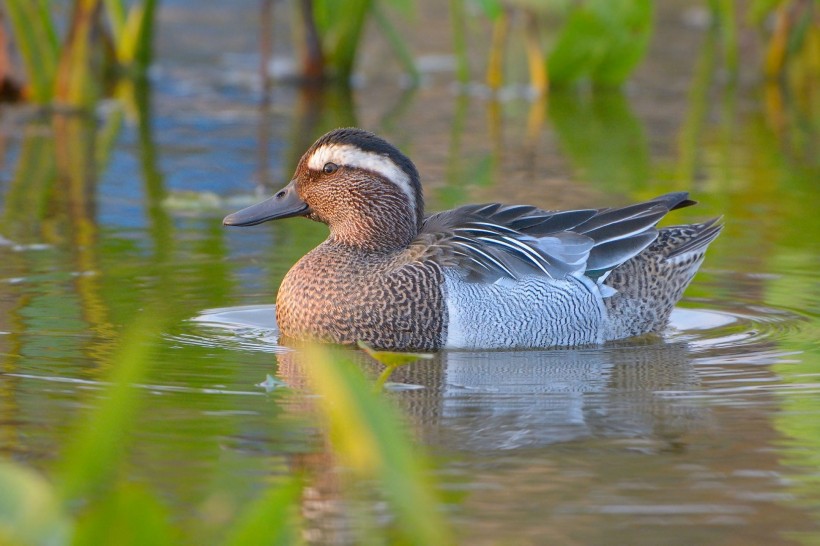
70,70
36,38
330,34
598,43
132,30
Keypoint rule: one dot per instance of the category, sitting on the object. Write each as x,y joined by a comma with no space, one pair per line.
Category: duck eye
330,168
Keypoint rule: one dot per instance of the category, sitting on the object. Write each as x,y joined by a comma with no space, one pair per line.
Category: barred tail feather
651,283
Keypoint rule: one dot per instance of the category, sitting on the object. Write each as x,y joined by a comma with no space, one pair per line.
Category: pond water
709,434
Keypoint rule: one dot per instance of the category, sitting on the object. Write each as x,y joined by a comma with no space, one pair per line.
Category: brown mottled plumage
479,276
650,284
396,304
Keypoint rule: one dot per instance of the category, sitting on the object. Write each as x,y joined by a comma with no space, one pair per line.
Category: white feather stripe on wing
628,227
485,255
519,250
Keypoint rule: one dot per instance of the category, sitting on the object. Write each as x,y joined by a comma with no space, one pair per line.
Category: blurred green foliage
36,38
329,33
71,67
596,42
87,499
601,41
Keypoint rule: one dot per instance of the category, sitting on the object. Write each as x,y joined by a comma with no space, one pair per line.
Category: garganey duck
478,276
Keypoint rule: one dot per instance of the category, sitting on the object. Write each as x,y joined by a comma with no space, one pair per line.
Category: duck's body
344,295
480,276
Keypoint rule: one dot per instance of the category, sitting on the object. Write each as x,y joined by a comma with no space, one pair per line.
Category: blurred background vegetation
71,56
73,53
69,60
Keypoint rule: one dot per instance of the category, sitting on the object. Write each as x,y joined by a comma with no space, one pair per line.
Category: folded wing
494,241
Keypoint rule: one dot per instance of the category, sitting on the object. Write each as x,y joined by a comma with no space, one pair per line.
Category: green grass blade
36,39
271,519
630,26
133,31
397,43
392,359
725,13
581,42
341,26
457,17
368,437
77,82
406,7
49,32
116,16
134,43
491,9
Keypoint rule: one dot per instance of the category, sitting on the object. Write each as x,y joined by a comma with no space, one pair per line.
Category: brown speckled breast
343,295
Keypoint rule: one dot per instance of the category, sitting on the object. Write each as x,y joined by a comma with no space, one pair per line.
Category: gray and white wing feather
493,241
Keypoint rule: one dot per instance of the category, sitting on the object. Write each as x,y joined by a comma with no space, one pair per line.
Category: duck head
361,186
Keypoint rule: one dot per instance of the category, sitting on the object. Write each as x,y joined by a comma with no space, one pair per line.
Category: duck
480,276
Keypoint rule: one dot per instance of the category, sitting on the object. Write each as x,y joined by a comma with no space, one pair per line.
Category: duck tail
650,284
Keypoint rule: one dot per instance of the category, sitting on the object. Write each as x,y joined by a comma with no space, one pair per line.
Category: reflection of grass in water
753,167
603,139
90,498
799,417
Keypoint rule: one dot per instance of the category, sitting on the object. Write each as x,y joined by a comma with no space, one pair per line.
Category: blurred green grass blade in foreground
131,515
273,518
368,437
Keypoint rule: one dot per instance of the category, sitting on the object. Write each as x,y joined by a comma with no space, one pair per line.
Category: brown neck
383,225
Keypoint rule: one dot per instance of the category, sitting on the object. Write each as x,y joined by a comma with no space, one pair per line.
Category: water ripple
713,336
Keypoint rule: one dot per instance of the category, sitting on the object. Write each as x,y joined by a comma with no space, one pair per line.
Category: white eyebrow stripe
351,156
